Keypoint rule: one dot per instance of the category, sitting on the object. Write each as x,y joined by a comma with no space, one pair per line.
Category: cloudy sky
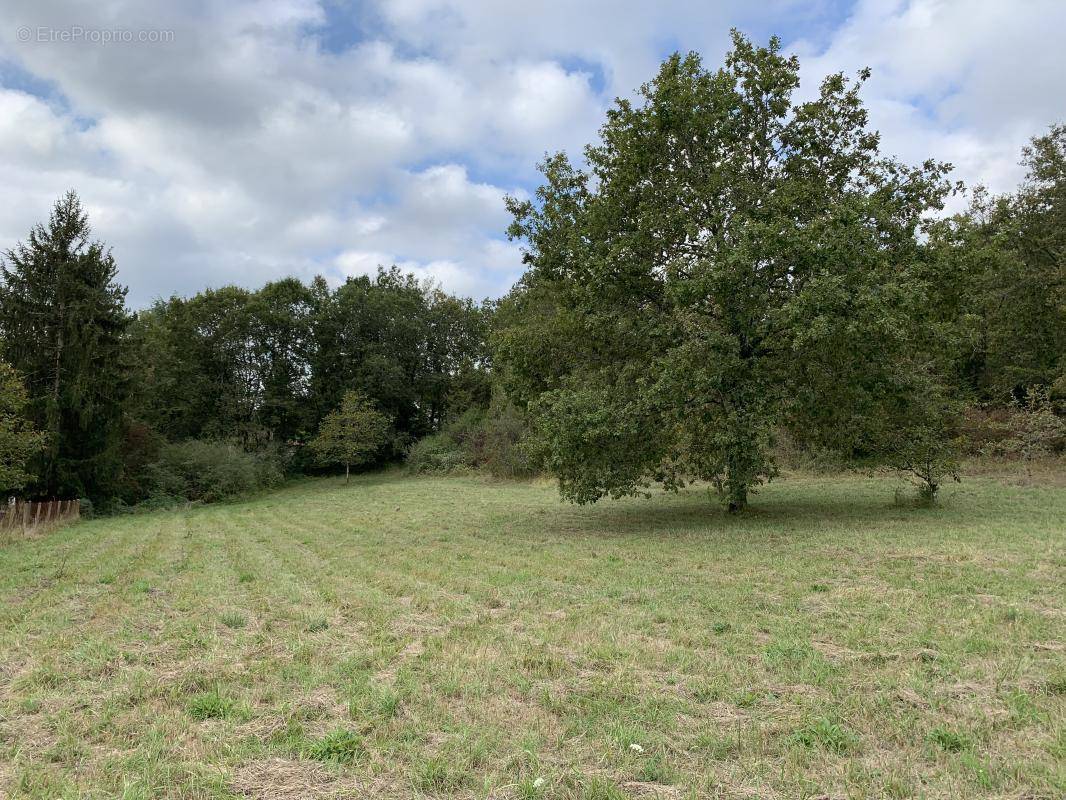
220,141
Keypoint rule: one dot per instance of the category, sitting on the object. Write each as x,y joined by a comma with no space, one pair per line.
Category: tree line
727,267
106,390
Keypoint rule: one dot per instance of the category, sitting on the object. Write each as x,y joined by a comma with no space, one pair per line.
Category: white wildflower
636,748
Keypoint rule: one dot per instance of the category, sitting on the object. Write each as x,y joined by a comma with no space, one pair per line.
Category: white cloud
965,81
444,274
245,149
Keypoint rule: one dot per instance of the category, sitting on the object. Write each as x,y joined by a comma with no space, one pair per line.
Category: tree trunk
346,468
736,482
738,497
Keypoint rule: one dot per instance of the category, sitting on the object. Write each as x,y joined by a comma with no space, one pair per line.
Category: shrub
140,448
791,452
207,471
983,430
437,453
489,440
502,453
1035,429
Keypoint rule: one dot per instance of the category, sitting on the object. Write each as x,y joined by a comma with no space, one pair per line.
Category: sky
240,141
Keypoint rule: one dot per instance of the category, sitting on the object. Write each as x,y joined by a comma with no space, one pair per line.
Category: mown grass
461,637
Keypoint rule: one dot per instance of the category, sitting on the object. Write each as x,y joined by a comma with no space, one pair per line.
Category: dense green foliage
227,363
727,267
730,263
63,323
418,354
19,441
490,439
267,366
352,435
208,471
999,289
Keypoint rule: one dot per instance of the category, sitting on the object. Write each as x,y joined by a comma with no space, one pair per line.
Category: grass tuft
233,619
439,774
950,739
341,746
212,705
827,734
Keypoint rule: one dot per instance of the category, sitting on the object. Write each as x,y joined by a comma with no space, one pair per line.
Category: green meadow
463,637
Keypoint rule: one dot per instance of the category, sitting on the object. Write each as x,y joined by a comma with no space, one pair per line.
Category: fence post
25,516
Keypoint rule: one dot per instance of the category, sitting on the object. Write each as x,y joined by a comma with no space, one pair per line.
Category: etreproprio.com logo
78,34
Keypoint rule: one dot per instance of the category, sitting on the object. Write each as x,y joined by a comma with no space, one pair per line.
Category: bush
792,453
489,440
207,471
500,449
982,430
439,453
1035,429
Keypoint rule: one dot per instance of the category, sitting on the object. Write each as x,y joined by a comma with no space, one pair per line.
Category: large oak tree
730,263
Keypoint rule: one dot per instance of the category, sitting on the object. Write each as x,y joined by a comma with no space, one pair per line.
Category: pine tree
63,319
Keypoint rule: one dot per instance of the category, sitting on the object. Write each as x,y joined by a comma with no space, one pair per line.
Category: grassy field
466,638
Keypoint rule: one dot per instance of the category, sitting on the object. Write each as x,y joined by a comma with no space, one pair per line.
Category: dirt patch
7,778
411,651
29,732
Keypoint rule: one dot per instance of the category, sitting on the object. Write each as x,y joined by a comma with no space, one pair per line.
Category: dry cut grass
466,638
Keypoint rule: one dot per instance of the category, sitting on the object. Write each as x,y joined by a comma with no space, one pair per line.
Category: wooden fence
29,516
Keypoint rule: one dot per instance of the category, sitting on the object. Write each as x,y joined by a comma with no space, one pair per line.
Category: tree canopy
1000,287
352,434
730,263
267,366
63,320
